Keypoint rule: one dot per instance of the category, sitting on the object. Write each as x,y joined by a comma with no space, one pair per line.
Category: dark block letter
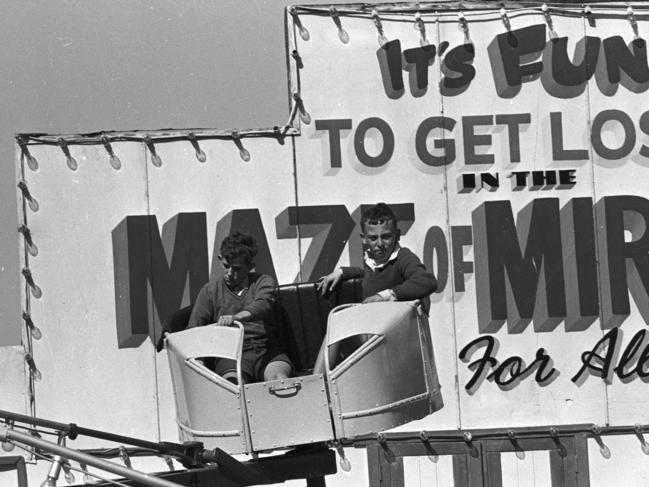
142,272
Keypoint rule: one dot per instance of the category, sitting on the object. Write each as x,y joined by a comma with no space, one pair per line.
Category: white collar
373,265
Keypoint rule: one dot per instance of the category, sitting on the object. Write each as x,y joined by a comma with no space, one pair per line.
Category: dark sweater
405,275
215,299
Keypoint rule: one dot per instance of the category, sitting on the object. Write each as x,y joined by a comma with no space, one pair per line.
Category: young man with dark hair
248,297
390,273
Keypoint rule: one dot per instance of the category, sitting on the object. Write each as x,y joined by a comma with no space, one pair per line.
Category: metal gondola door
379,367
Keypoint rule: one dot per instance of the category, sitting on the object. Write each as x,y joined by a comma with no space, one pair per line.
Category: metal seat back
208,407
390,379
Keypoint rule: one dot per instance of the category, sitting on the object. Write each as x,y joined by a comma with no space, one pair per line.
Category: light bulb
72,163
36,291
33,204
345,464
389,456
304,33
87,478
115,162
35,332
605,451
304,116
32,249
32,163
645,448
69,476
156,160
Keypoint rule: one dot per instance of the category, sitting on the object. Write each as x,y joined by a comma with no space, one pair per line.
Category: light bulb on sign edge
299,104
68,475
305,117
36,374
304,33
343,461
243,152
605,451
72,163
32,163
343,35
156,160
113,159
32,249
421,27
6,446
37,292
389,456
345,464
505,19
87,478
115,162
379,27
35,332
169,462
33,205
200,155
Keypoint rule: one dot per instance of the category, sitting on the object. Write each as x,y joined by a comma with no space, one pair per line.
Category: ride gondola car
389,380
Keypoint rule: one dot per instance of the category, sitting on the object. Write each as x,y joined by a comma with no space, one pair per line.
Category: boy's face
379,240
236,271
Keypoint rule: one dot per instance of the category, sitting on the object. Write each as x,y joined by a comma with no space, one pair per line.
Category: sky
71,66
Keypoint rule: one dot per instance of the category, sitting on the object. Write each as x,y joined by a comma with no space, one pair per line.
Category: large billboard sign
521,137
513,145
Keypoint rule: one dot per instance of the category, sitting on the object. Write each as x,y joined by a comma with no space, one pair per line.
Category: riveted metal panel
391,379
208,408
288,412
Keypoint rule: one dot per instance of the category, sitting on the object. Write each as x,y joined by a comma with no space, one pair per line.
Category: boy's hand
330,281
225,320
385,295
228,320
374,298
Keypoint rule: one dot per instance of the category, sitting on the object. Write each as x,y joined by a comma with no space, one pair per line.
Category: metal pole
69,453
72,429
